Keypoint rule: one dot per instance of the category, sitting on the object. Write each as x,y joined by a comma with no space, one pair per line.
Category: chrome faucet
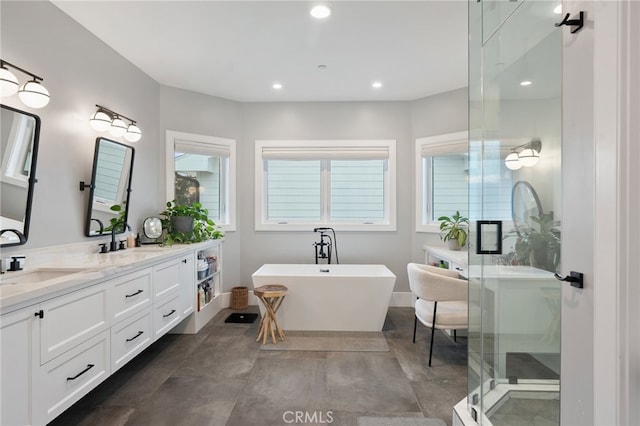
114,245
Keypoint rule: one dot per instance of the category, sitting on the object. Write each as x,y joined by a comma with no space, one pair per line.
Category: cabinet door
166,279
130,294
72,375
18,346
187,285
130,337
166,315
71,319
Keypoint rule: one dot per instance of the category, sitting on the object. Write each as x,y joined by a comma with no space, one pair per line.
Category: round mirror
524,204
152,227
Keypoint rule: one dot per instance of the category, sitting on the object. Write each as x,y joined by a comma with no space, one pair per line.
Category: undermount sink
38,275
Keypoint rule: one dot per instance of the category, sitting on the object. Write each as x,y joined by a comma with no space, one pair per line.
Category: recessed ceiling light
558,9
525,83
322,67
376,85
277,86
321,11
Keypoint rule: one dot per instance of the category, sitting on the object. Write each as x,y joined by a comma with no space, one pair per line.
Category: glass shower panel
514,299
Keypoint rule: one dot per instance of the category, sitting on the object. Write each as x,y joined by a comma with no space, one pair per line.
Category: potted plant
453,230
188,224
537,247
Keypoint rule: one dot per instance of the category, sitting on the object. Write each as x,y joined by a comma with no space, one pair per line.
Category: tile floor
220,377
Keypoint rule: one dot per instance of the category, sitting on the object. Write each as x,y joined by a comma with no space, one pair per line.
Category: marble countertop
57,270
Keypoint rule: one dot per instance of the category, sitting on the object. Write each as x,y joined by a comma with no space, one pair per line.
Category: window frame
390,222
228,179
421,196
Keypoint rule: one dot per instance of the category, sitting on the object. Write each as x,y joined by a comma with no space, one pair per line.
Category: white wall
434,115
79,71
191,112
327,120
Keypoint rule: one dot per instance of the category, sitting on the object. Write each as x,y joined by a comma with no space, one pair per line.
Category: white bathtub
330,297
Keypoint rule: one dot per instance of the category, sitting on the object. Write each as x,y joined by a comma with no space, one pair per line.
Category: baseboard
401,299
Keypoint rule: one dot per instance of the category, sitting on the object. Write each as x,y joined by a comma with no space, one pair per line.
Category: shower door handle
576,279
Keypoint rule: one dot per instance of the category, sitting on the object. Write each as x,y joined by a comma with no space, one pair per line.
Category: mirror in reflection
110,188
18,153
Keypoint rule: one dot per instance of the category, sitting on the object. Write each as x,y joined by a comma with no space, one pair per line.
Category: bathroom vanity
70,321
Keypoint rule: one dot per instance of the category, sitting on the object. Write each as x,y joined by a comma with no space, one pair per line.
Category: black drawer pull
458,269
184,260
133,294
89,367
140,333
39,314
173,311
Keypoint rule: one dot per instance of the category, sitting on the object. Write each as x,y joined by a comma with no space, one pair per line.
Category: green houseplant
537,245
454,230
201,228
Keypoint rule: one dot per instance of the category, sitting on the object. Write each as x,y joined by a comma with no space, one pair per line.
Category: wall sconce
526,155
32,93
105,119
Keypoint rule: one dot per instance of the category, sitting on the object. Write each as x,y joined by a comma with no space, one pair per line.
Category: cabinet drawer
130,337
130,294
69,377
459,268
71,319
166,278
166,315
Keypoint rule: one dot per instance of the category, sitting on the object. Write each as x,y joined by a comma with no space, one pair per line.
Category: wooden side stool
271,296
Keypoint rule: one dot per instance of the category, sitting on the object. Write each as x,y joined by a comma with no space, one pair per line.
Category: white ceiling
238,49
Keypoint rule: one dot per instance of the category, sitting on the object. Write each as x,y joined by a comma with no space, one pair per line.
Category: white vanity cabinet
187,276
58,346
130,301
19,334
71,319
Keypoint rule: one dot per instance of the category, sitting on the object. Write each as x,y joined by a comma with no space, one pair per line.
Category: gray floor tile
221,377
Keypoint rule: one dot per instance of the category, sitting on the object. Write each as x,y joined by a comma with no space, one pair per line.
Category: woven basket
239,298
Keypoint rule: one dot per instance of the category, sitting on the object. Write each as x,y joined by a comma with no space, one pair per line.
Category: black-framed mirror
20,132
524,204
110,187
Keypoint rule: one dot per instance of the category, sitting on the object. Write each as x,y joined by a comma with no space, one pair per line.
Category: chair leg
433,330
454,335
415,324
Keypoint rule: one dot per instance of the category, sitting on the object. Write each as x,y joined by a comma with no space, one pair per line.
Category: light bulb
133,133
33,94
512,161
100,121
118,127
529,157
321,11
8,83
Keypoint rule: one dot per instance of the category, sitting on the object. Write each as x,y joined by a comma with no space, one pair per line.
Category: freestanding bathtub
330,297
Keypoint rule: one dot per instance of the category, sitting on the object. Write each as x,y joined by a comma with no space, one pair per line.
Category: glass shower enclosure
514,207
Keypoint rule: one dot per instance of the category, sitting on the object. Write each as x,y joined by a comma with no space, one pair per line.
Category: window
444,186
202,169
348,185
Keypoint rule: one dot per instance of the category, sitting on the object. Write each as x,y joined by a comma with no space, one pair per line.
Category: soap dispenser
131,240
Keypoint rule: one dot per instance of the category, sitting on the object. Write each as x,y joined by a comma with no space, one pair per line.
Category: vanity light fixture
32,93
526,155
105,119
512,161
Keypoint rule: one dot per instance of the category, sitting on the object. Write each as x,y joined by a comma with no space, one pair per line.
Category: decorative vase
183,224
453,245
